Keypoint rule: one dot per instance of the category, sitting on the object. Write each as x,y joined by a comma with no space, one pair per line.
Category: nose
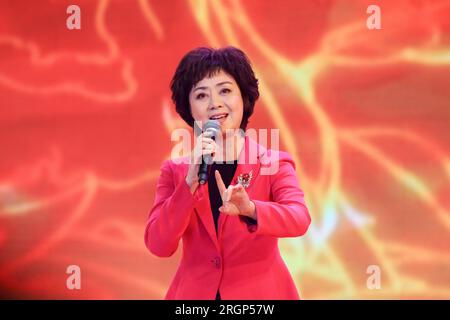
215,102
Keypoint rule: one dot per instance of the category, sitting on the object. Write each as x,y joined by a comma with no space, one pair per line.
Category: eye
200,96
225,90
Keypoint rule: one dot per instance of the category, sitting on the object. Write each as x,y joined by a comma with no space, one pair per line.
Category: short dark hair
202,62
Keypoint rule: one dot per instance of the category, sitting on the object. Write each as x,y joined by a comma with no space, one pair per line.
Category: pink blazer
243,261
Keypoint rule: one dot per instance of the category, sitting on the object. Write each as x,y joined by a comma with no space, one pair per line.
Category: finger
207,143
198,155
231,190
229,208
208,140
208,147
204,149
203,143
228,193
224,209
220,184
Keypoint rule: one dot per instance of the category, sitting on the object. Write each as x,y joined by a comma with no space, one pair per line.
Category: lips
218,116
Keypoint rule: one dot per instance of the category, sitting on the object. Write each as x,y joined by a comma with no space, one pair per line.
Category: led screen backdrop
86,120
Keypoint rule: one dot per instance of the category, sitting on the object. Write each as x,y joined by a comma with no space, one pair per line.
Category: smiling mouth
218,117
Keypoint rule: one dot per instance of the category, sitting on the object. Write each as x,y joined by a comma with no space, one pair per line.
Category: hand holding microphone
202,155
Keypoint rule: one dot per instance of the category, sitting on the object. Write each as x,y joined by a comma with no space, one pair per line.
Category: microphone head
211,128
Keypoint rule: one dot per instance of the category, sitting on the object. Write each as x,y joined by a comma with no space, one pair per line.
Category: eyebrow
217,85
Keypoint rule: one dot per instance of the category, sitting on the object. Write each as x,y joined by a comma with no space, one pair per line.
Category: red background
86,118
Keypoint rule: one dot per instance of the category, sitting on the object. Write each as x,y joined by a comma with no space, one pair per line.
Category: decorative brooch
245,178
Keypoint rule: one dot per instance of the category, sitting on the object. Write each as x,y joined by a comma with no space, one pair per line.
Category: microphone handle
203,169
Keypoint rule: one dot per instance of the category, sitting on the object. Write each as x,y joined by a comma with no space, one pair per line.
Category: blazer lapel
204,212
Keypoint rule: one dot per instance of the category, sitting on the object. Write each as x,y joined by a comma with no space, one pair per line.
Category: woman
229,226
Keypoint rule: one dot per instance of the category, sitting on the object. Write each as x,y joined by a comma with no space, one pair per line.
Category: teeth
218,117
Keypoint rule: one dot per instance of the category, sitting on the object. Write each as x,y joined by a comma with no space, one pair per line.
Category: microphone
211,129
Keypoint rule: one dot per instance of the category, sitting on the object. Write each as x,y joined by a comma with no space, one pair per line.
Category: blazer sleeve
287,215
170,215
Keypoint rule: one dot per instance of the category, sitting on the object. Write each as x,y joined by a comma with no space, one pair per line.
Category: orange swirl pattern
86,120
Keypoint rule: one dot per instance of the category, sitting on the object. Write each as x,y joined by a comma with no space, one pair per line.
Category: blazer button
217,262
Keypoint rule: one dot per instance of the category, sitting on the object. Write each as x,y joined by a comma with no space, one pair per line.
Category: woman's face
217,98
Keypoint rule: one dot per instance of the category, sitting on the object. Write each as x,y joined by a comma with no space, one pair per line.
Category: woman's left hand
235,199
